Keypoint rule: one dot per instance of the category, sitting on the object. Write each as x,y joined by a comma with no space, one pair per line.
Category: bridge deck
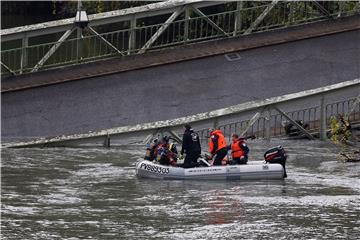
177,54
181,89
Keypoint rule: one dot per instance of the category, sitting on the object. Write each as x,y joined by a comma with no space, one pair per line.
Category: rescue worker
239,150
217,147
166,153
191,147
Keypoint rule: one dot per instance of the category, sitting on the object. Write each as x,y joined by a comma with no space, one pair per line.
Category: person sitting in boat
191,147
150,150
166,152
239,150
217,147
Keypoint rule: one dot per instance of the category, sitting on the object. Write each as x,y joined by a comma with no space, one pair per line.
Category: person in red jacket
239,150
217,147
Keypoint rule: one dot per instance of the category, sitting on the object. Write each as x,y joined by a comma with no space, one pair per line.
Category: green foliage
335,128
340,130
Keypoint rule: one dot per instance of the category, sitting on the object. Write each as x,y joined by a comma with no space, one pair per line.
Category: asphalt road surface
180,89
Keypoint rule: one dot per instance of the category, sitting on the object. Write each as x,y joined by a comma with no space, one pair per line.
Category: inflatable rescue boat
254,170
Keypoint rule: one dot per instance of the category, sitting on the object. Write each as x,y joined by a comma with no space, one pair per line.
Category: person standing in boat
239,150
191,147
217,147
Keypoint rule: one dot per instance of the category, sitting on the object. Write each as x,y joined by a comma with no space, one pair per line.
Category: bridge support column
79,45
132,35
215,123
23,60
238,23
107,141
187,21
267,124
322,132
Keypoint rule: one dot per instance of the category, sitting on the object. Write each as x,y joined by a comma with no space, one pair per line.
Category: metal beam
210,21
150,136
7,68
105,41
238,22
107,141
294,122
174,135
52,50
322,129
267,124
24,60
322,9
251,122
161,29
79,44
153,9
132,35
187,21
261,17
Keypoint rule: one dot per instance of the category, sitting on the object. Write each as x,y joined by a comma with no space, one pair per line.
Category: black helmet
166,139
187,126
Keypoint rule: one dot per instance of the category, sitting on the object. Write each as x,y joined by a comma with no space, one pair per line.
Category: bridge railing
187,24
310,116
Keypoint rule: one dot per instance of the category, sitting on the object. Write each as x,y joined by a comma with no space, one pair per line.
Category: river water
93,193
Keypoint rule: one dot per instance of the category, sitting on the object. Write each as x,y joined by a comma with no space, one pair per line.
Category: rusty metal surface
177,54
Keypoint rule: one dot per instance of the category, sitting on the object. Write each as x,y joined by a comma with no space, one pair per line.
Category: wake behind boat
254,170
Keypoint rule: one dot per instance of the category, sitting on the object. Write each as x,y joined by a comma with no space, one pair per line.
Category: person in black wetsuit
191,147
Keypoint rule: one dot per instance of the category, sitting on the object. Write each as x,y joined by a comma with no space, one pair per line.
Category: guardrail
186,24
212,118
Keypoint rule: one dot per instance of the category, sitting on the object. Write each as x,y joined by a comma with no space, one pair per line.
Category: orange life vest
236,151
221,141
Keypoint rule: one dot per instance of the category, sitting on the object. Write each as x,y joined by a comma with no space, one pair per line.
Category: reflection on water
70,193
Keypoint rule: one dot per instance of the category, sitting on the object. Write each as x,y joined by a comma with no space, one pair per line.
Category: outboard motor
276,155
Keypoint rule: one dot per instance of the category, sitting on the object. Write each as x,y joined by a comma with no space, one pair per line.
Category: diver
150,150
166,152
191,147
239,150
217,147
